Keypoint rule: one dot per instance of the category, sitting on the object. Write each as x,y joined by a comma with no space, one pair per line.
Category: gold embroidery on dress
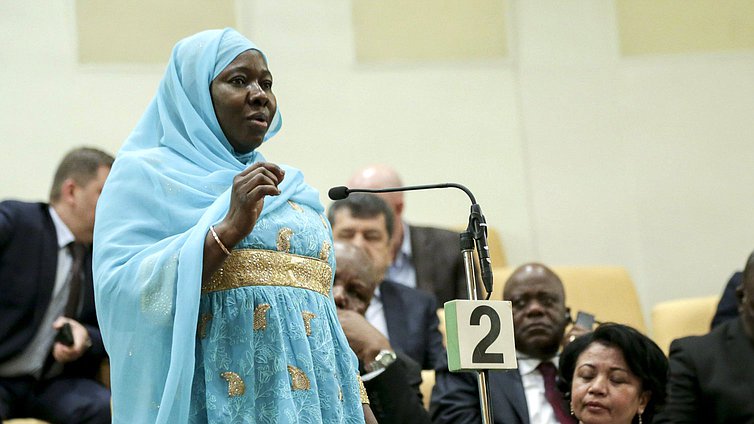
203,321
324,253
308,316
340,394
284,240
254,267
299,380
324,221
236,386
295,206
260,316
363,391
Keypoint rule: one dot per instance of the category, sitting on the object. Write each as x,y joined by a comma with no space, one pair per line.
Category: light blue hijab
169,183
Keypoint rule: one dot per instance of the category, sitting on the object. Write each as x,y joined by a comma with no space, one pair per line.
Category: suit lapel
392,305
47,260
736,343
513,389
421,259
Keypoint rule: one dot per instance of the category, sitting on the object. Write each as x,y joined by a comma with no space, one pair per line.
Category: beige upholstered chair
605,291
682,317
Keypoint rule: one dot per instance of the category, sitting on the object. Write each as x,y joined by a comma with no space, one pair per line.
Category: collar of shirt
406,243
65,236
375,314
528,365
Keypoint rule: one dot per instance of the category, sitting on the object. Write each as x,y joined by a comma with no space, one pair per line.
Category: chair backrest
682,317
607,292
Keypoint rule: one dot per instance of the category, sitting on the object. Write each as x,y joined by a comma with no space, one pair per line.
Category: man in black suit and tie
712,376
406,316
391,378
426,258
527,395
46,286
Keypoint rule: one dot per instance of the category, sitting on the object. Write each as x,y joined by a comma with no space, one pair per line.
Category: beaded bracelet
217,239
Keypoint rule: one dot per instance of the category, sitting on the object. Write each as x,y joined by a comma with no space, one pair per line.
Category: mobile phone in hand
585,320
65,335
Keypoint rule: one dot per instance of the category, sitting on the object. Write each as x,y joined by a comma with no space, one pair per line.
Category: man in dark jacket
391,378
712,376
50,344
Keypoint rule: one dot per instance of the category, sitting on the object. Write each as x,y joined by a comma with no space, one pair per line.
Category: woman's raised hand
247,200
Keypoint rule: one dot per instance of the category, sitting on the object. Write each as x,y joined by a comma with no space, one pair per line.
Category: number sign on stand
480,335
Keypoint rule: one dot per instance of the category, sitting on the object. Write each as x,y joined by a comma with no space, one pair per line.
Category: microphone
338,193
341,192
477,224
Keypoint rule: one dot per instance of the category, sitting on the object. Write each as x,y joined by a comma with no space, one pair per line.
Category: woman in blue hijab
213,268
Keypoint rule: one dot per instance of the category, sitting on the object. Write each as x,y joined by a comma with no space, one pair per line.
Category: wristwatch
381,361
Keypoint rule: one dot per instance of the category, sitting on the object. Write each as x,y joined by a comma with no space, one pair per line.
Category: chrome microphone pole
467,250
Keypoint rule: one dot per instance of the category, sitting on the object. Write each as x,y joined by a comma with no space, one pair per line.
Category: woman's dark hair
643,357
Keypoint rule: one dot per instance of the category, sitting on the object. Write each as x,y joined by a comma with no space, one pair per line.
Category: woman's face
604,390
243,100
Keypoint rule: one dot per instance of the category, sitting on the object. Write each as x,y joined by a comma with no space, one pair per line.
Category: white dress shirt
540,410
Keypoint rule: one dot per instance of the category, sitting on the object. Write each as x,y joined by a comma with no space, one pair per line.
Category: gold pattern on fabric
236,386
363,391
203,321
260,316
324,253
253,267
308,316
299,380
324,221
295,206
284,239
340,394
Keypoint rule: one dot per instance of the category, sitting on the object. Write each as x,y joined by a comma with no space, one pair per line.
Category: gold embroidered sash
254,267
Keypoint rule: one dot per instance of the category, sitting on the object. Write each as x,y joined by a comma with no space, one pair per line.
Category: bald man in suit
426,258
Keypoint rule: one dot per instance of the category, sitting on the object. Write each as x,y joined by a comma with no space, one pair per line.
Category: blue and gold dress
267,328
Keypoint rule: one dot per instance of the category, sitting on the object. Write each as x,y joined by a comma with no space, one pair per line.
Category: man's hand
81,341
363,338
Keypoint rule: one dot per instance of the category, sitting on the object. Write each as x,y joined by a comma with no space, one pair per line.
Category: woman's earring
572,413
640,418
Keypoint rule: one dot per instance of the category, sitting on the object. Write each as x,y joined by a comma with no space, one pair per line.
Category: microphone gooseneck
477,224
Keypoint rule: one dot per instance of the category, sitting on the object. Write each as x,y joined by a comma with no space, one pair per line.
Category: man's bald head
380,176
355,277
539,312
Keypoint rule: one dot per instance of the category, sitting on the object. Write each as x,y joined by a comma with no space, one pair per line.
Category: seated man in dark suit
712,376
406,316
527,395
426,258
46,286
391,378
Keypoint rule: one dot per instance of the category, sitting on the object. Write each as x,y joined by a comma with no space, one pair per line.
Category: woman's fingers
273,171
253,187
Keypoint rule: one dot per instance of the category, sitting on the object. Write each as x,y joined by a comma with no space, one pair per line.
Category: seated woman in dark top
613,375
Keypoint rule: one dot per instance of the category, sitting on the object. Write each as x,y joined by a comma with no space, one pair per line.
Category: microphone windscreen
338,193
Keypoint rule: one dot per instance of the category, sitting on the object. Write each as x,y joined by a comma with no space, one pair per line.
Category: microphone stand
467,250
474,236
